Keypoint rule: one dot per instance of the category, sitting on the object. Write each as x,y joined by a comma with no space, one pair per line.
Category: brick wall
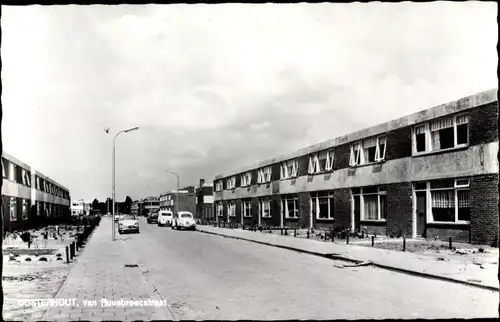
187,202
342,155
399,209
255,174
275,172
484,209
483,126
304,209
342,208
303,165
442,232
398,144
255,211
238,180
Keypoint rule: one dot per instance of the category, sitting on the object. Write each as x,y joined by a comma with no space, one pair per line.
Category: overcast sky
217,87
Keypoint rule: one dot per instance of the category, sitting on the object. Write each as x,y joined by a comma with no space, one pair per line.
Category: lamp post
177,195
113,195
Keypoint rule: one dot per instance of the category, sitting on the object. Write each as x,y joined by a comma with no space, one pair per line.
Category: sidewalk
100,273
410,263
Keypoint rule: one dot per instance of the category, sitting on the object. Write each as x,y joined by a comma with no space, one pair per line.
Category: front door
421,212
357,212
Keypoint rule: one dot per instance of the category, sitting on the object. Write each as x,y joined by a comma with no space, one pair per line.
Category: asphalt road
210,277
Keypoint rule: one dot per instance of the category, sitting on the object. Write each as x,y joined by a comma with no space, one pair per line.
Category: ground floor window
372,202
246,208
38,208
322,205
231,209
290,206
265,208
448,200
219,209
13,209
25,209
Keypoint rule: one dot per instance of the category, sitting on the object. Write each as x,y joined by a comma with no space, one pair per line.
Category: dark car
152,218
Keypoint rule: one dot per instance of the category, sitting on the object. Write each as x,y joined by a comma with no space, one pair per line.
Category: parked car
118,217
183,220
153,218
165,218
128,223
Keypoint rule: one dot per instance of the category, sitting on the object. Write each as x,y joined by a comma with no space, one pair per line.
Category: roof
462,104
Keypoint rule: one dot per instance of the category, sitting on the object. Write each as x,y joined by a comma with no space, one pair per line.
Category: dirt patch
28,251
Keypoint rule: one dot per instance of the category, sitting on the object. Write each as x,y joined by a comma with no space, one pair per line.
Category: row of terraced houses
431,174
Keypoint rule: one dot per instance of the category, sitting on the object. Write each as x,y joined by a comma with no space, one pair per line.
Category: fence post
286,231
308,234
347,239
450,242
67,254
295,232
333,236
373,240
404,244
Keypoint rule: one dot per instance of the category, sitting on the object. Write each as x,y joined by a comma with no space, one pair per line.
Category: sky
214,88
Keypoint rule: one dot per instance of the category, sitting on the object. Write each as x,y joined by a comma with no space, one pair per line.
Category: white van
165,218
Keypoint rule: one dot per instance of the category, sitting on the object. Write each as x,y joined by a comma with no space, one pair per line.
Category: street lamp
177,195
113,195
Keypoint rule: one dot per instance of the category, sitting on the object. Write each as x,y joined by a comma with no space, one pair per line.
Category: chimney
202,181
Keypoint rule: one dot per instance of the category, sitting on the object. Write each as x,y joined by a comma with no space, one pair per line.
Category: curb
71,270
351,260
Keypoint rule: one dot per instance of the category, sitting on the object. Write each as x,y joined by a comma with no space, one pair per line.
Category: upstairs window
246,179
320,162
12,172
231,182
218,185
441,134
4,173
289,169
264,175
368,151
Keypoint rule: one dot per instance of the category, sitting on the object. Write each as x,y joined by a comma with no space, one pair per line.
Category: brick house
186,198
205,201
430,174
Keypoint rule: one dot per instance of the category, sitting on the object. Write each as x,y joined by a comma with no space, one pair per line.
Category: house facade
430,174
205,201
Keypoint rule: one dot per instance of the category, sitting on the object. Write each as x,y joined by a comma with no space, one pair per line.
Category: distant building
204,201
134,208
185,197
80,208
149,205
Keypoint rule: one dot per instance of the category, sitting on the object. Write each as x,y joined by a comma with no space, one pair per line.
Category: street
210,277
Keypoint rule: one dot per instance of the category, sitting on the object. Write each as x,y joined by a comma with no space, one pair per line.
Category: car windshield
154,215
186,216
128,217
166,215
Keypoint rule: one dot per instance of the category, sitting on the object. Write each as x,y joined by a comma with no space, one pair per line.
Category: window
441,134
264,175
12,172
231,209
322,205
218,185
246,179
26,176
368,151
231,182
38,208
290,206
246,208
4,173
320,162
13,209
219,209
449,200
265,208
25,209
289,169
372,202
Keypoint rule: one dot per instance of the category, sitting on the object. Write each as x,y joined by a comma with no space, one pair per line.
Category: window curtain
443,199
441,124
420,130
371,206
463,199
462,119
13,209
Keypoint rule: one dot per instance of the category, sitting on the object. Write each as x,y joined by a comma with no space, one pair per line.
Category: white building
80,207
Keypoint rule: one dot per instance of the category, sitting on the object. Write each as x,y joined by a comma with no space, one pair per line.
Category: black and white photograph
250,161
